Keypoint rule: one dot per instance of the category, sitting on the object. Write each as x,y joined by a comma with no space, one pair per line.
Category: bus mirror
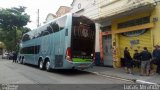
66,33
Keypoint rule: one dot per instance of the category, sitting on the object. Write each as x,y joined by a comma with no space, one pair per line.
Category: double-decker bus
67,42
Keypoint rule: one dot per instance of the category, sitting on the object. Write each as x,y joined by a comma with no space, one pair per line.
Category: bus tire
47,66
41,65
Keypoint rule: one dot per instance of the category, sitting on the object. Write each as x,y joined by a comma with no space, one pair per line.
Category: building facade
122,23
62,10
133,24
50,17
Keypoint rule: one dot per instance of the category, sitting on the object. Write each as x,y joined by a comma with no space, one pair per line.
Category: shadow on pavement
69,72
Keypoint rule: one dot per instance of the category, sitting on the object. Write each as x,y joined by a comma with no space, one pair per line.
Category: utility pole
38,19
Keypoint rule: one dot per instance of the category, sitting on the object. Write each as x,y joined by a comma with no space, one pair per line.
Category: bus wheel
41,65
48,68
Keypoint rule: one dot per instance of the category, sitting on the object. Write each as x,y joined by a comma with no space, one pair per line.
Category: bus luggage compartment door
58,60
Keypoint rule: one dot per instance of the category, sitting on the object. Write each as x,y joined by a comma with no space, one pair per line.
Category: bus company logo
85,32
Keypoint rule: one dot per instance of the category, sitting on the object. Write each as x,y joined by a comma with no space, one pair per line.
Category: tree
12,22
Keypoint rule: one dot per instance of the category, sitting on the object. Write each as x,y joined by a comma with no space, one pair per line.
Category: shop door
107,50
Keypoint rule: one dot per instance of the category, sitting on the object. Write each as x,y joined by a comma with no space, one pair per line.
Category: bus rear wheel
48,68
41,66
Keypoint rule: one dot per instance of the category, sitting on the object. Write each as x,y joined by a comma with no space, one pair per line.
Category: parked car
5,56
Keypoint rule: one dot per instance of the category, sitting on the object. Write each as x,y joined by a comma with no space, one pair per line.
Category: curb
136,81
144,82
113,77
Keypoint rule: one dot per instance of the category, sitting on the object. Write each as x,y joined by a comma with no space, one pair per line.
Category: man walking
145,61
157,56
136,58
14,57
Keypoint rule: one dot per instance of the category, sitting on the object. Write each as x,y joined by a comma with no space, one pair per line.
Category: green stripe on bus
81,60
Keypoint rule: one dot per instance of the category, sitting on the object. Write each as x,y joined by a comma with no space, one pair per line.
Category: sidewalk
120,73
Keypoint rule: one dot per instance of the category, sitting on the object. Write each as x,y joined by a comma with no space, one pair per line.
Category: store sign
134,33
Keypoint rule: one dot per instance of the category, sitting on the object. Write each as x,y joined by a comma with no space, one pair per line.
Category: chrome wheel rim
41,65
48,65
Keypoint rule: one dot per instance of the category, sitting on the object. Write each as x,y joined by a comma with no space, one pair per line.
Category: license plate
82,65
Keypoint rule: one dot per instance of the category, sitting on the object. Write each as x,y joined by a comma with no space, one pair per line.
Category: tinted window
26,37
61,22
55,26
30,50
50,29
39,34
35,34
45,33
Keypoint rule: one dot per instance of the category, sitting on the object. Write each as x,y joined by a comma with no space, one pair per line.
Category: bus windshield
83,38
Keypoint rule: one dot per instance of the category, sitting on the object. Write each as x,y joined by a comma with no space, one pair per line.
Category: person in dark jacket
127,61
14,57
145,61
155,52
136,58
156,55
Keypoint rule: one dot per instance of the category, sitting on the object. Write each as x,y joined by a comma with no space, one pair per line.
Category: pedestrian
157,56
136,58
14,57
127,61
145,61
154,59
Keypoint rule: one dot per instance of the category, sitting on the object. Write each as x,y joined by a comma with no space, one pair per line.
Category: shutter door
135,42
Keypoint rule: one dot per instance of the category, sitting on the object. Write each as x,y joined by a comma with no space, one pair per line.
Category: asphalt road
14,73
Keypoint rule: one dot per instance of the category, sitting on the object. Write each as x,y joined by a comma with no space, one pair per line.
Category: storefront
132,31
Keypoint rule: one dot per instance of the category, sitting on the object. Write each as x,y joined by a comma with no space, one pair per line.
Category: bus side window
26,37
61,22
44,33
55,27
39,34
36,49
35,34
49,29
